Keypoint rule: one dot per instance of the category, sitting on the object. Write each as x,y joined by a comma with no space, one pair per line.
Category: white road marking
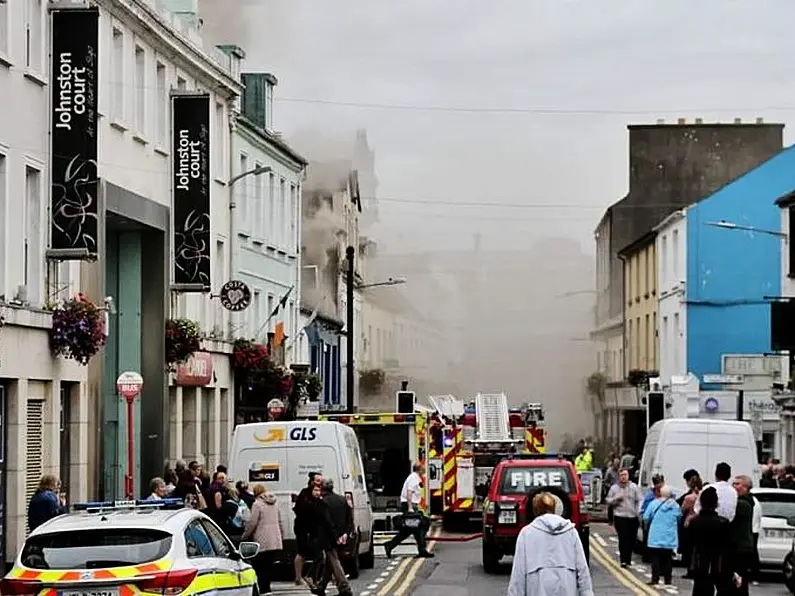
618,553
640,568
379,580
365,593
647,575
372,586
671,589
612,539
385,573
600,540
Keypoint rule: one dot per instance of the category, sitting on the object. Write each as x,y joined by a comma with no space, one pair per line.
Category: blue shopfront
324,357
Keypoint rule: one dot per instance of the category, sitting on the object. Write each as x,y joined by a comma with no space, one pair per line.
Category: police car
508,508
126,548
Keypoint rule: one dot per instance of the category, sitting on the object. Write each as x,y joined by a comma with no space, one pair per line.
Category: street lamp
392,281
255,172
730,225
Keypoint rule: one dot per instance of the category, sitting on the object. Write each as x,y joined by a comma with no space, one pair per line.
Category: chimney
738,120
699,121
681,121
258,98
760,120
660,120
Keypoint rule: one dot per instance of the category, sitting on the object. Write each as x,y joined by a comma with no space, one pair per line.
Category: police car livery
127,548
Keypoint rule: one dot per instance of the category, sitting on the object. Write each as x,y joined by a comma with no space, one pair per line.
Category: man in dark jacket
46,503
741,530
341,517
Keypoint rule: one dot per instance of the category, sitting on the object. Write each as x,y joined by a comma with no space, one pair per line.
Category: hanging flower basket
78,329
183,338
371,380
248,356
310,384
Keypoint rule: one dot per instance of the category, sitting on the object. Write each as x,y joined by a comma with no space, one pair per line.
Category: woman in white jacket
549,559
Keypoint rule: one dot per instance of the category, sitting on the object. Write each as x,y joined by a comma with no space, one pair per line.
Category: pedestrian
47,502
322,535
769,479
756,528
188,491
245,493
170,478
201,477
688,513
234,513
549,559
727,495
624,497
265,528
657,482
215,494
410,497
741,531
341,516
157,489
303,520
662,518
710,559
584,460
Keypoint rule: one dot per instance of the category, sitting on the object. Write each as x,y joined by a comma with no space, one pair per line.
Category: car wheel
789,572
367,560
491,556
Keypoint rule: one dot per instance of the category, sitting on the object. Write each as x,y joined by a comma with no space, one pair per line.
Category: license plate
102,592
507,517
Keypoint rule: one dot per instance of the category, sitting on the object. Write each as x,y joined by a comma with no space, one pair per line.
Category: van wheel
351,564
367,560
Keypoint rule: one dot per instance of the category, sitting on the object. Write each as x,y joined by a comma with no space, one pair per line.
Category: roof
787,200
642,242
675,216
161,519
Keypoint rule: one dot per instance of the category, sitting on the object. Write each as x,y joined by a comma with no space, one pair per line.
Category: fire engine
472,443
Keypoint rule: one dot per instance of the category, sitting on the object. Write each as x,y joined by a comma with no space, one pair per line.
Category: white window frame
140,90
34,64
161,104
118,69
4,221
243,202
5,34
34,287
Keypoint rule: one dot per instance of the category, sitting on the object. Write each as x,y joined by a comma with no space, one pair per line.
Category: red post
129,477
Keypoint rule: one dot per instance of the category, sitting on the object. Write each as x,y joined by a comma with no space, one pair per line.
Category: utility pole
349,372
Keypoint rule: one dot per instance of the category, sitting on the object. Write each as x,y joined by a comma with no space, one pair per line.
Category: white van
675,445
281,455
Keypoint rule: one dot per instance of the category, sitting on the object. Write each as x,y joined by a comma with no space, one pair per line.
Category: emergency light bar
131,504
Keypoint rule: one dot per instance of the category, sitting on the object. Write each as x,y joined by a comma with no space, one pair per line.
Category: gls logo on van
277,434
303,433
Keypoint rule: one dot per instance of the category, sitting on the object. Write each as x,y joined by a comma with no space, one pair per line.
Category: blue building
323,334
717,262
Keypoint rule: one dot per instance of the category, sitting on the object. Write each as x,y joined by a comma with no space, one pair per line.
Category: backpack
242,515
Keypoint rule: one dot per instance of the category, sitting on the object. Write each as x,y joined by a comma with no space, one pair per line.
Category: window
197,542
256,211
33,34
649,265
161,105
649,363
654,341
518,480
254,322
282,216
118,74
221,545
628,281
630,352
675,256
220,279
290,318
271,210
268,313
664,261
3,225
665,349
90,549
31,250
182,84
217,143
675,337
140,90
4,28
242,203
293,219
269,107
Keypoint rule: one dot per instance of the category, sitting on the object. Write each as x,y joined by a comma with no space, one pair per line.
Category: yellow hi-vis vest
584,461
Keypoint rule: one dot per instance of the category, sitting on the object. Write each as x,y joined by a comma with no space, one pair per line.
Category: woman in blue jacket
662,518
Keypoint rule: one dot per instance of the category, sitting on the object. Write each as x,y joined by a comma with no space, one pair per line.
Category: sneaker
425,555
624,565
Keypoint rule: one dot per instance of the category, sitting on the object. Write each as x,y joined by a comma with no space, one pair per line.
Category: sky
519,106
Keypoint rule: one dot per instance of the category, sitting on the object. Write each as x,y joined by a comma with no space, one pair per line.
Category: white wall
671,245
267,229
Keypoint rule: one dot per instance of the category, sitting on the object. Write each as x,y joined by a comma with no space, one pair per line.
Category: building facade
671,266
640,309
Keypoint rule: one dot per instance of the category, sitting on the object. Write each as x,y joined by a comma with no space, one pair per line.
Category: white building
671,251
266,253
64,418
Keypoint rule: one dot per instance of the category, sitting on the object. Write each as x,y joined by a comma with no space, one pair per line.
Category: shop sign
197,371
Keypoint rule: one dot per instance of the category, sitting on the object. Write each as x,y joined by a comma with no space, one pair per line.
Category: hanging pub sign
74,219
190,117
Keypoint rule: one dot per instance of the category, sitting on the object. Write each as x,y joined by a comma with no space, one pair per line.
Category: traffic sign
724,379
129,384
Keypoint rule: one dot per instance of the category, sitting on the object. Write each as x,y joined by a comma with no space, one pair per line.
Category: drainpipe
232,209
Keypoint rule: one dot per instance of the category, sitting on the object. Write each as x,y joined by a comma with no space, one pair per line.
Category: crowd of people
714,527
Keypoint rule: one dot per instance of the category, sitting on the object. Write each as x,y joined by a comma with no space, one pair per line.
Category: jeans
334,568
661,564
627,530
404,532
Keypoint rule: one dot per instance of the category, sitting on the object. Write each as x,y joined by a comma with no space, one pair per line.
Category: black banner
74,80
190,117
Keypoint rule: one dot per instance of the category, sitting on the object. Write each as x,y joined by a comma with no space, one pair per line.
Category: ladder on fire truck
491,410
447,406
